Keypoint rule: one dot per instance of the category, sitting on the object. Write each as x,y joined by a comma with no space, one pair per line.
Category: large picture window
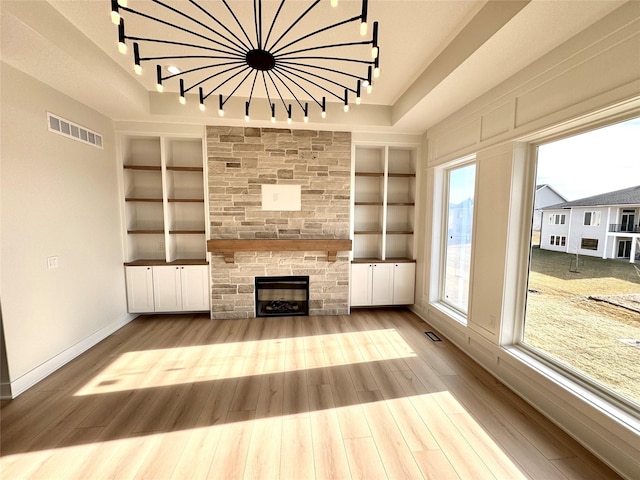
459,228
583,301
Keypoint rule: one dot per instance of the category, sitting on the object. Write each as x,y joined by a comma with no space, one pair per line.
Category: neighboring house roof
626,196
549,187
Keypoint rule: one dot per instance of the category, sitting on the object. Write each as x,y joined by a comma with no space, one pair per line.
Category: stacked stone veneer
240,161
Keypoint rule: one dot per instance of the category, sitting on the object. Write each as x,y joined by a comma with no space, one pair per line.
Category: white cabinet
139,289
382,284
167,288
404,280
194,280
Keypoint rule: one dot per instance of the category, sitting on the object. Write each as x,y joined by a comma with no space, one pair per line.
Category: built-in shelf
164,197
184,169
136,199
151,168
228,247
384,189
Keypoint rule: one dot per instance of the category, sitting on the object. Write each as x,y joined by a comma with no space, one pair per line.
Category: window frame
439,252
519,262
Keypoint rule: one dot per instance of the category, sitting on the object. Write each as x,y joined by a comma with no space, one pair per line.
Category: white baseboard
29,379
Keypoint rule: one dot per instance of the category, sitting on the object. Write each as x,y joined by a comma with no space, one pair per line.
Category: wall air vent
62,126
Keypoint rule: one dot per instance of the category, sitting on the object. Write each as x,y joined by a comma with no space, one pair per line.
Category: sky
595,162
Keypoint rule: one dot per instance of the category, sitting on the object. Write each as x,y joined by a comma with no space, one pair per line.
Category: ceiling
435,56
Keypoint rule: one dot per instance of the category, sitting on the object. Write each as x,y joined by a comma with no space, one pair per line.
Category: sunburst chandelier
293,51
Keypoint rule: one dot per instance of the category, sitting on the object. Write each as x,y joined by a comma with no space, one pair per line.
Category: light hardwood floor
365,396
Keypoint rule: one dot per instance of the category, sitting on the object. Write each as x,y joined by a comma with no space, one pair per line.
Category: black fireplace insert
282,296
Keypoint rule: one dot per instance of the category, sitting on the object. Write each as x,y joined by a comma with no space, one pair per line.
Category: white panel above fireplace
281,198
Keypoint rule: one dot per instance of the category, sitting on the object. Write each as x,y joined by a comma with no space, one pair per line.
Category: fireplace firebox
282,296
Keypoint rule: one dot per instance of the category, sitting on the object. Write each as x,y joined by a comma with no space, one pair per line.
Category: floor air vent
433,337
64,127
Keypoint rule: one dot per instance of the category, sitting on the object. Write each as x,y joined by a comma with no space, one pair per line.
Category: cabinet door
195,287
382,290
139,289
361,277
167,289
404,276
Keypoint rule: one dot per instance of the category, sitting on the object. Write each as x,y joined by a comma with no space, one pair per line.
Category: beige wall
592,77
58,197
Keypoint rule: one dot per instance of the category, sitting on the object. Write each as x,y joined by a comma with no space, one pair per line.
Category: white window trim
441,196
512,333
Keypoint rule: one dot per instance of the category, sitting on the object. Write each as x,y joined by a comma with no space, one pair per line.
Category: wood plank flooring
365,396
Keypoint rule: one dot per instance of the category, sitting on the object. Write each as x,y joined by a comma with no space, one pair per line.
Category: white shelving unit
384,194
165,214
384,190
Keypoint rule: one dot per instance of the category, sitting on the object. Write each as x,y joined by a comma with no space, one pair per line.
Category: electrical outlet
160,245
52,262
492,321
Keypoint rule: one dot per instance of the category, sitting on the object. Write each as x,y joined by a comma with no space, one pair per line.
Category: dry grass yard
582,332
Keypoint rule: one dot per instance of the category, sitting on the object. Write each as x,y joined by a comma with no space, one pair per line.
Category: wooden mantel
229,247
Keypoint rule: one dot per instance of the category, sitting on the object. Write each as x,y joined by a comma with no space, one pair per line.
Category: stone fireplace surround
240,161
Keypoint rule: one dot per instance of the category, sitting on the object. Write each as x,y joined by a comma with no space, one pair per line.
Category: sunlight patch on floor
200,363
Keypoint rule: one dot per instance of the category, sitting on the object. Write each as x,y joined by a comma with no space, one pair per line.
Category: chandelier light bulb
115,12
370,88
376,72
159,87
363,28
324,114
374,53
346,107
202,107
273,119
122,47
289,121
221,112
334,3
138,69
123,3
182,100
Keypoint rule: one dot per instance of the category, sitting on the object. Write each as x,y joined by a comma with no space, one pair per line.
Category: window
592,218
589,244
457,251
557,219
575,318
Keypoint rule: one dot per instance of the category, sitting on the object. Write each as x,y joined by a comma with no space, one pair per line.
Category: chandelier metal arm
275,73
326,69
244,45
252,87
339,59
198,22
292,72
257,18
277,90
335,45
324,29
264,81
207,78
311,7
182,44
230,78
273,22
238,22
169,24
284,70
301,87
